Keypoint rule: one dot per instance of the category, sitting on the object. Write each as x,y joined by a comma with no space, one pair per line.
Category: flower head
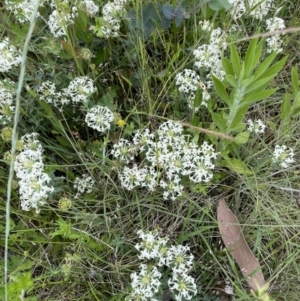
99,118
9,56
283,156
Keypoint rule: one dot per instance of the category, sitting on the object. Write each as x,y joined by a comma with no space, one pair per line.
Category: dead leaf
234,241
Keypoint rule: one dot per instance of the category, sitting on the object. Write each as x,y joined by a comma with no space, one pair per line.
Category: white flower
172,187
131,177
9,56
123,150
99,118
47,92
218,38
187,81
256,126
143,139
274,42
147,281
23,10
283,156
238,8
34,186
7,93
205,25
80,88
259,8
275,24
183,286
149,176
84,184
111,13
169,131
90,7
178,258
148,247
61,18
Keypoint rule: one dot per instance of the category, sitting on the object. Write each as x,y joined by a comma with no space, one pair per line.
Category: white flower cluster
78,91
23,10
9,56
111,15
169,156
238,8
176,258
64,14
29,168
188,82
259,8
90,7
99,118
283,156
7,94
274,42
256,126
84,184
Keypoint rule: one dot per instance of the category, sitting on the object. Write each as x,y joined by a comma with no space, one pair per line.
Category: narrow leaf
227,66
236,165
295,80
235,60
236,244
273,70
285,109
221,90
255,97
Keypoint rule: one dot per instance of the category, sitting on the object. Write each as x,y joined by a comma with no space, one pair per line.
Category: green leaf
295,80
168,11
285,109
235,60
231,80
221,90
236,165
242,138
219,120
265,65
252,98
227,66
273,70
259,84
252,56
238,118
219,4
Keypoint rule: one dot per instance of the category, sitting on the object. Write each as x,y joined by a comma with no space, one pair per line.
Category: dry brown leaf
234,241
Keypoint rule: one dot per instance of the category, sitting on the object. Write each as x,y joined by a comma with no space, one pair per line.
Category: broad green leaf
219,4
236,165
235,60
168,11
242,138
221,90
295,80
252,98
227,66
